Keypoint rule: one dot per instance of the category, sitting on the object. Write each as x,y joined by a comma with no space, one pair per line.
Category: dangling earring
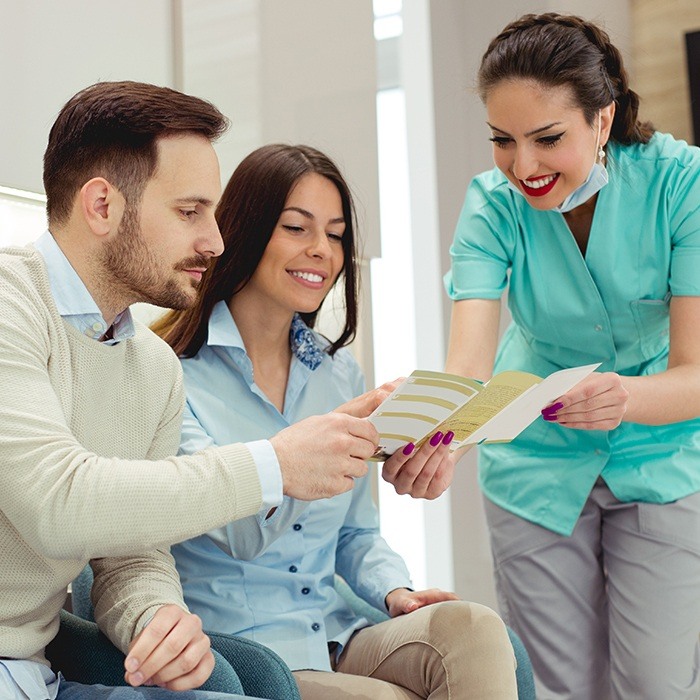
601,154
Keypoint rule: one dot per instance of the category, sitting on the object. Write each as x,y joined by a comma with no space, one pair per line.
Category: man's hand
320,456
361,406
426,473
171,652
402,601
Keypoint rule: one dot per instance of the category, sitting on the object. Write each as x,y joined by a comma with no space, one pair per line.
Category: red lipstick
539,191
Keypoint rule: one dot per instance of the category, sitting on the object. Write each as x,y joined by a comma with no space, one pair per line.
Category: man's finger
185,662
187,628
150,637
196,677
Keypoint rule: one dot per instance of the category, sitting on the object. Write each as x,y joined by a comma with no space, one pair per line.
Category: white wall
298,71
50,50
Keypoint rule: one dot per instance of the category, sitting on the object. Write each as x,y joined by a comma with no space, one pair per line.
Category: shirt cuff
269,472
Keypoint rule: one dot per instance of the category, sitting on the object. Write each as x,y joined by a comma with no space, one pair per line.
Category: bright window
22,216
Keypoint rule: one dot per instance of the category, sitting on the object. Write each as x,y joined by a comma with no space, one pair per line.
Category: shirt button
597,327
315,627
96,326
293,569
305,590
297,527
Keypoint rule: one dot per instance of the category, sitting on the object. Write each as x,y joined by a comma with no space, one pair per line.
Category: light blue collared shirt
73,300
271,579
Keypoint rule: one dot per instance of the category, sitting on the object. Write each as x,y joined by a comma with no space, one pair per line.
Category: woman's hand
401,601
598,402
361,406
425,473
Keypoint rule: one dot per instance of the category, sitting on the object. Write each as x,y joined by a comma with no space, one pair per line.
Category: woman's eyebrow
309,215
529,133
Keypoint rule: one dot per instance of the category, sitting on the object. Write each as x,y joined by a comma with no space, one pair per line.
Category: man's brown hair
111,130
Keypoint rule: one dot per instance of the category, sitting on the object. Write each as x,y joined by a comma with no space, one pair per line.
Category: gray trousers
612,612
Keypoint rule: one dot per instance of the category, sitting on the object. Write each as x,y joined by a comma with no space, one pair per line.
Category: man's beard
135,271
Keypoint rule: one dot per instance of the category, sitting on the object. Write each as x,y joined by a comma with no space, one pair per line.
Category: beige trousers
448,651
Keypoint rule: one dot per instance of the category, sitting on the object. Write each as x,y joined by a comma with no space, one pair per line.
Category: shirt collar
72,297
304,343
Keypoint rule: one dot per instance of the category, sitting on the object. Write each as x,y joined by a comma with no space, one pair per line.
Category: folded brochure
496,411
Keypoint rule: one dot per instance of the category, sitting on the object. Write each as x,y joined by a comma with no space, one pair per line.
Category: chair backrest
80,595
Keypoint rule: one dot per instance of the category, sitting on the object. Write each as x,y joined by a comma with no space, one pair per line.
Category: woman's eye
549,141
336,237
188,213
293,229
500,141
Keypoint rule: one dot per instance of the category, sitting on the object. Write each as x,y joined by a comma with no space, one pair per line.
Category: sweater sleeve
128,591
67,502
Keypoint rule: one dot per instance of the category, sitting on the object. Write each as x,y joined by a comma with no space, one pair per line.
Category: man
91,399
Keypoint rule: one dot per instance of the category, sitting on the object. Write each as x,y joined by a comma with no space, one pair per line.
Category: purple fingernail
553,408
435,440
448,437
409,448
552,417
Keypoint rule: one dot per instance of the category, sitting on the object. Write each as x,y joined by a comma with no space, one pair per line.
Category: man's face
163,246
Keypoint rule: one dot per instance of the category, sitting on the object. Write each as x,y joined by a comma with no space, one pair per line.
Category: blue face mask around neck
596,180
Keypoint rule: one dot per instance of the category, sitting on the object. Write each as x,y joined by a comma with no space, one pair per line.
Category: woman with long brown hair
253,364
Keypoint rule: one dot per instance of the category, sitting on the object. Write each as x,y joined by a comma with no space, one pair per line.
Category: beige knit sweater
87,434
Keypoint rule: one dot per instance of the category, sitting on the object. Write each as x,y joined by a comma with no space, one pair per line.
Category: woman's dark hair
247,214
556,50
111,130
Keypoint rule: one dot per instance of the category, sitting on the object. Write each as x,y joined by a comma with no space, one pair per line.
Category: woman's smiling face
542,142
305,254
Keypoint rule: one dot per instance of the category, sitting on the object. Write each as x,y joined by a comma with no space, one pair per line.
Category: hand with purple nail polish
422,473
598,402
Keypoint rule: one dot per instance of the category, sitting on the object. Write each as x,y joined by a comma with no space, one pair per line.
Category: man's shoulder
24,284
21,264
145,340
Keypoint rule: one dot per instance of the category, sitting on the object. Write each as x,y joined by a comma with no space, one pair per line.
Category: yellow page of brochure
493,412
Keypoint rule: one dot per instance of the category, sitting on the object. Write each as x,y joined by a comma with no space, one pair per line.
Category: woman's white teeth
542,182
308,276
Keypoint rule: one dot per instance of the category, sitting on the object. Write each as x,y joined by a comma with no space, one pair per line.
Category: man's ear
102,205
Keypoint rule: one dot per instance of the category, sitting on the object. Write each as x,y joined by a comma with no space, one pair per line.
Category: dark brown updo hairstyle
247,214
556,50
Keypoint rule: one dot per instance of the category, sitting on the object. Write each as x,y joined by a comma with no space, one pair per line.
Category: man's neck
85,260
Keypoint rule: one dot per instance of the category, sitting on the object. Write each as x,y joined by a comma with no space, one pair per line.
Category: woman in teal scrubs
591,219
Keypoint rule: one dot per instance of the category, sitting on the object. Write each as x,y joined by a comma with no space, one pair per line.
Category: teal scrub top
611,306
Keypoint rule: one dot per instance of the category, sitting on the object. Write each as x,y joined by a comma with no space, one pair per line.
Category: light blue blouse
271,579
611,306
